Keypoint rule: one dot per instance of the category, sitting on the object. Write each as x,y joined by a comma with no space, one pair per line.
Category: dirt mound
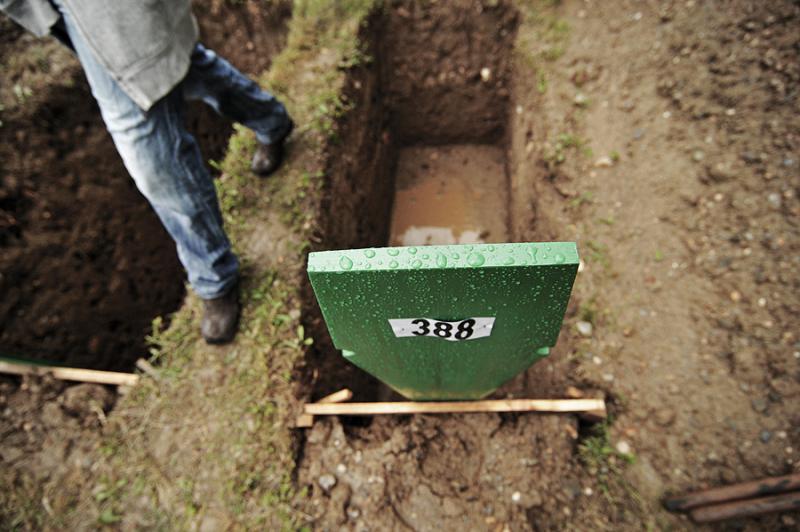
49,431
429,472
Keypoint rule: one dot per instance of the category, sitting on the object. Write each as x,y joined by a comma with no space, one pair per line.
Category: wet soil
446,68
451,194
86,264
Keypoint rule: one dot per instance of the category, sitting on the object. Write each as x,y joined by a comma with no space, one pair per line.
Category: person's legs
233,95
167,166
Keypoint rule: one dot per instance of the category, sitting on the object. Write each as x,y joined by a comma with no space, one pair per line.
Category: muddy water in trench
456,194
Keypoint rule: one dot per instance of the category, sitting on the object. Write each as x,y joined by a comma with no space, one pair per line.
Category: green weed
598,254
584,198
541,81
556,152
603,461
553,53
588,311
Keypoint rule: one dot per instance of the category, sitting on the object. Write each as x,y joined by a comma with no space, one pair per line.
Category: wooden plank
71,374
304,421
337,397
307,420
446,407
744,490
147,368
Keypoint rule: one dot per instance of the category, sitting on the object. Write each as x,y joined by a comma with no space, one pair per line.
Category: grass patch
544,36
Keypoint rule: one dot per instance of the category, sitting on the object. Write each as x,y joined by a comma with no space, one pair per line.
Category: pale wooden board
596,406
71,374
307,420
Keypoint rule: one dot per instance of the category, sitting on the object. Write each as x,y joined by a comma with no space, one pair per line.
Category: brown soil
685,213
432,57
664,140
49,430
85,263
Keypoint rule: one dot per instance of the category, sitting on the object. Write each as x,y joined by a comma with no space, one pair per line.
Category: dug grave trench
425,157
427,139
86,265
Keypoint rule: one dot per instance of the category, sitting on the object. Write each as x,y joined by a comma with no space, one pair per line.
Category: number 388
460,330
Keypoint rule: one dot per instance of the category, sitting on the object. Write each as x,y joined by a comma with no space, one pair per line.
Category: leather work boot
221,317
268,157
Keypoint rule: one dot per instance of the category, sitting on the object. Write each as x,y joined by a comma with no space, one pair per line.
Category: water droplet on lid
475,259
416,263
490,247
345,263
393,264
558,258
508,261
393,251
441,260
412,250
369,253
456,256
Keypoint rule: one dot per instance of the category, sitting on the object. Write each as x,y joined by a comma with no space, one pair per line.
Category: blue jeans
165,161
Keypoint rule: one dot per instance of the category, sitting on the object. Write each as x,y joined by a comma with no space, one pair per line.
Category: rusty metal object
755,488
747,507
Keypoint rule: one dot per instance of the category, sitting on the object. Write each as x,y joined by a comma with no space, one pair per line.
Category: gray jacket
144,44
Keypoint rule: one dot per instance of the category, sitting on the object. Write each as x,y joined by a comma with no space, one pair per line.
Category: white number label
454,331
